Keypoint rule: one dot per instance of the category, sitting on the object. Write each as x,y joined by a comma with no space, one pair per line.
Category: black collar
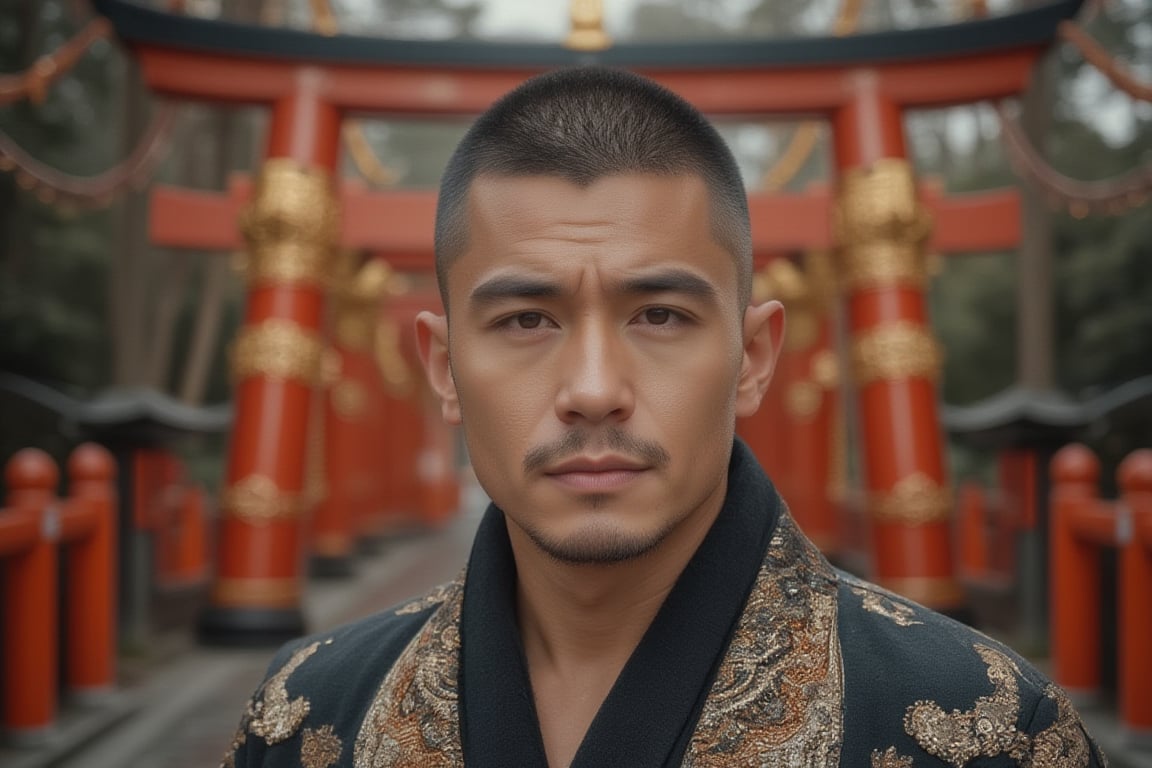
648,717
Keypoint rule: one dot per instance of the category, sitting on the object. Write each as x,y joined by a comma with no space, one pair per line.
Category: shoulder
317,688
920,684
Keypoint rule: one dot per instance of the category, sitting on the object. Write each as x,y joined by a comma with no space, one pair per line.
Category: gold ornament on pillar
899,350
881,226
356,295
915,500
291,225
278,349
587,31
783,281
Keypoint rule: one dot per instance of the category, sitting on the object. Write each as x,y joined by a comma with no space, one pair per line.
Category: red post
291,228
973,509
1074,583
91,556
881,229
1135,613
189,564
29,529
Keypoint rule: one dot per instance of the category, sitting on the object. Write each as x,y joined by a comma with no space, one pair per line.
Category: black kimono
762,655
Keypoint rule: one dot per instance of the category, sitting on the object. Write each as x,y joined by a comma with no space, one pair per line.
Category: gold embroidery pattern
1062,744
321,748
778,693
238,740
412,721
883,605
988,729
435,597
273,716
890,758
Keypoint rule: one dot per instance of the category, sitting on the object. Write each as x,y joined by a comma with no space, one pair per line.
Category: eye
657,315
529,320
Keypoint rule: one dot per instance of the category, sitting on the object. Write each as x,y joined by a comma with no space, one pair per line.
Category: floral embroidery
437,596
412,721
238,740
321,748
890,758
875,601
272,715
778,693
988,729
1064,743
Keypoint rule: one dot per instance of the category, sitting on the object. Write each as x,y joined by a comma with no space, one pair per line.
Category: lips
598,475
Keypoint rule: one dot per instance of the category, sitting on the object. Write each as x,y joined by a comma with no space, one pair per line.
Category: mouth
599,475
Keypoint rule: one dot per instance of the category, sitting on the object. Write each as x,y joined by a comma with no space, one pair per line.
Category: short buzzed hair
583,124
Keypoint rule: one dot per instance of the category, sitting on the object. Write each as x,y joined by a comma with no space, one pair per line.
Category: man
638,594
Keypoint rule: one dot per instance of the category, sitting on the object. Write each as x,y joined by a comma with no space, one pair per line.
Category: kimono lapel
740,667
647,718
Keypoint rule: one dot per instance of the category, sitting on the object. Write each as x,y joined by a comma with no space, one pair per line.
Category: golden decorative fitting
587,32
291,225
881,226
826,369
899,350
258,500
349,399
257,593
803,399
783,281
915,500
357,298
390,360
279,349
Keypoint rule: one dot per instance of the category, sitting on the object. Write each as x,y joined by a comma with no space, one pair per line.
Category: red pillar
1074,575
291,229
92,574
350,459
881,227
1135,631
29,529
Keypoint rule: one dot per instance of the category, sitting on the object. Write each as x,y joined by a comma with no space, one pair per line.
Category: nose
596,383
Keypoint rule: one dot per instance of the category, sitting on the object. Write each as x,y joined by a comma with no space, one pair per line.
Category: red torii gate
396,225
861,84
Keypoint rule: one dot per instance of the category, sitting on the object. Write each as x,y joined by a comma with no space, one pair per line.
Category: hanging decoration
367,163
806,137
52,186
1113,196
1079,198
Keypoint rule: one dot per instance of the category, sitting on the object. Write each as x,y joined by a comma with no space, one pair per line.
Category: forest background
87,305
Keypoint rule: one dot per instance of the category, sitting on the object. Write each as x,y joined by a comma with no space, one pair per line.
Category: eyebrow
504,287
670,281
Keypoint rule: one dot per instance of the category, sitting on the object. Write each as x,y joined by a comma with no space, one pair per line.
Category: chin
597,543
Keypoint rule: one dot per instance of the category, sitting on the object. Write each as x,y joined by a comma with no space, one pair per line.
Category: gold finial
587,26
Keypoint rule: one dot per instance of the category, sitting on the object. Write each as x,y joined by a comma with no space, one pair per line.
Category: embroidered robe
761,655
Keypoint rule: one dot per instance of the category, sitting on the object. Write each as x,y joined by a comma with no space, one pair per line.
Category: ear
432,343
763,337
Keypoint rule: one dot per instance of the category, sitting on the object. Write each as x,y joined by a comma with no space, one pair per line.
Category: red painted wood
444,90
396,225
899,419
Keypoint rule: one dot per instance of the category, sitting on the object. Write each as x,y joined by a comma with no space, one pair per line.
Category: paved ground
184,713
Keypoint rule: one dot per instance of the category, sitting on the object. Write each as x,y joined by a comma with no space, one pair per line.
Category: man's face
595,351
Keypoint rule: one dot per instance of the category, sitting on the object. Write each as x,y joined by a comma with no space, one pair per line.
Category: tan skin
599,327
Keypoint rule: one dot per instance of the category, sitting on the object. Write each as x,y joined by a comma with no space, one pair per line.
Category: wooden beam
444,90
397,225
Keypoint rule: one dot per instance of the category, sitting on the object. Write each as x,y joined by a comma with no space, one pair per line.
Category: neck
576,615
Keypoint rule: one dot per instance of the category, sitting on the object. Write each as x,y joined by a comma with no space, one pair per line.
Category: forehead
621,222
